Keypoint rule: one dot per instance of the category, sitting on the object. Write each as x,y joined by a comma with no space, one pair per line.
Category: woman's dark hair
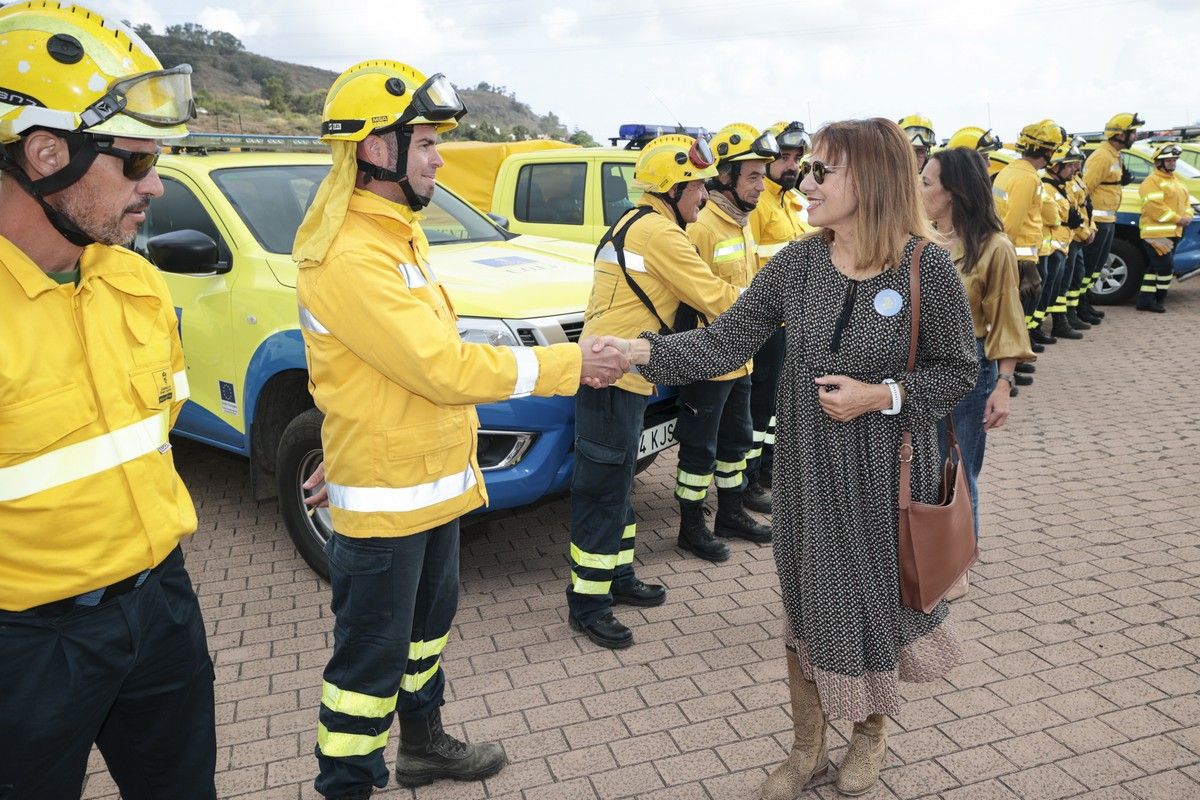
964,175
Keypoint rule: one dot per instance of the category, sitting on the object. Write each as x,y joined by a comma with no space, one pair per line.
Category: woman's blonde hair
883,171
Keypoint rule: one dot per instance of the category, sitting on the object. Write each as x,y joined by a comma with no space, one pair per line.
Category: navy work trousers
131,675
394,599
764,387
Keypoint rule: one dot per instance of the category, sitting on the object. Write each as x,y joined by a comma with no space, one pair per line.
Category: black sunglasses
135,165
819,170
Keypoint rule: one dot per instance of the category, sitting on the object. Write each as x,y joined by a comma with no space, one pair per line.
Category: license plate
660,437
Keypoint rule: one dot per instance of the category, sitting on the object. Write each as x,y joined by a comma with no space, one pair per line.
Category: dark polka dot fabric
836,518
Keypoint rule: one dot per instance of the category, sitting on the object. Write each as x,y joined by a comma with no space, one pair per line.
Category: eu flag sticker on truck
504,261
228,398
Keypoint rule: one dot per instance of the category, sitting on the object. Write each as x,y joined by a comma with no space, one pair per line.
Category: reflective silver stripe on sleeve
1027,251
182,390
527,371
999,193
311,323
633,261
84,459
412,275
367,499
1100,215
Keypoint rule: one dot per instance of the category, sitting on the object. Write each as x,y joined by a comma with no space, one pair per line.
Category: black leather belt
57,608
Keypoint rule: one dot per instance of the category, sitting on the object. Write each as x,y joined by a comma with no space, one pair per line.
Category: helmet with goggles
1167,150
1124,122
670,160
918,129
1067,153
976,139
742,142
791,136
378,97
66,68
1044,136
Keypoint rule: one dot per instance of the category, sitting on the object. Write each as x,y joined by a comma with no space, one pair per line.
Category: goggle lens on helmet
1169,152
701,154
921,137
988,142
437,100
162,98
135,165
819,170
766,146
795,139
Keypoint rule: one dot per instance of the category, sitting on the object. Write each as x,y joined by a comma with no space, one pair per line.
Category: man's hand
1031,279
605,360
320,498
1185,221
845,399
995,412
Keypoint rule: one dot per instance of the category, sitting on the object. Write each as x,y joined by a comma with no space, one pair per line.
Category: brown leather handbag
937,540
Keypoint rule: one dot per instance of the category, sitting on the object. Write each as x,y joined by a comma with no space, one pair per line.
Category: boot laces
445,745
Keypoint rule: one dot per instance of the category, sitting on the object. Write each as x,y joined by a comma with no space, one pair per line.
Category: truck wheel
1121,278
298,456
643,464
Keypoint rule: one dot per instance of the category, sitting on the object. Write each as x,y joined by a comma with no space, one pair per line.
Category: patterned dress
836,518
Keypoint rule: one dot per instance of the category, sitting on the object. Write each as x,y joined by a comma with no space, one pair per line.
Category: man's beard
788,179
102,226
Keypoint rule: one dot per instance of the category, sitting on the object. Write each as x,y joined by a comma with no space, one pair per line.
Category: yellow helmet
1123,123
974,138
1066,153
919,130
1043,135
673,159
380,96
791,136
741,142
68,69
1167,150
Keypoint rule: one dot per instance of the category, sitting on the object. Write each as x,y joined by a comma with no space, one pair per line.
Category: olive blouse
995,303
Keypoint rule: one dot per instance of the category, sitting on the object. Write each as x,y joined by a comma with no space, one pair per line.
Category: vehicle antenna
678,124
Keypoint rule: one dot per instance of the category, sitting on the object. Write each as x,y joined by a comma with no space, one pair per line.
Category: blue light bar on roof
638,132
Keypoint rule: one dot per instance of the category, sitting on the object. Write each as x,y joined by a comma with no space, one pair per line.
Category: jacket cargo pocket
31,425
154,387
432,449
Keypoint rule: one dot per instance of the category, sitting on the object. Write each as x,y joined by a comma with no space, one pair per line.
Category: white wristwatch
894,388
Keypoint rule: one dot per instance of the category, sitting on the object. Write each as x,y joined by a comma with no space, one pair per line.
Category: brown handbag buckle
906,457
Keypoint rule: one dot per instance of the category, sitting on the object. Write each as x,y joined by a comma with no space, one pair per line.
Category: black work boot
1087,313
427,753
757,497
637,593
1075,321
1026,367
1037,337
605,631
694,535
1061,329
733,521
1091,307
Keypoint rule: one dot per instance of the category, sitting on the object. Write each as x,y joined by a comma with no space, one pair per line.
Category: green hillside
238,91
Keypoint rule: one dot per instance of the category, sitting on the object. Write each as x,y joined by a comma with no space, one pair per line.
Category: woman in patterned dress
843,293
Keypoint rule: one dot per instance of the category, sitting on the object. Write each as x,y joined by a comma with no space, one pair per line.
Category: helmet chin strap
399,175
81,160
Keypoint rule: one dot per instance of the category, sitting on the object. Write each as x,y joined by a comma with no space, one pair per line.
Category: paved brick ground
1082,673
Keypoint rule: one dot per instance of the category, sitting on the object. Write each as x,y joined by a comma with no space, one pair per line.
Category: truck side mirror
499,219
186,252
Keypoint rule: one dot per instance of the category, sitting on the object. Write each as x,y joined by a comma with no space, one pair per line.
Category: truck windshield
271,200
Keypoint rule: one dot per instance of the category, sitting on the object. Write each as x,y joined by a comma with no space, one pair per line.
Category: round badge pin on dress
888,302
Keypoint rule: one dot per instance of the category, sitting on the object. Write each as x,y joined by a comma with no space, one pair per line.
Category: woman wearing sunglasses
845,397
958,198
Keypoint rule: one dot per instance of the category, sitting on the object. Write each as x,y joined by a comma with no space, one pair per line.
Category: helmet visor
700,154
436,101
766,146
1172,151
162,98
920,137
794,138
988,142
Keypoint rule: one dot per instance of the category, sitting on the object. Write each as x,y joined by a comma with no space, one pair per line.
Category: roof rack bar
204,142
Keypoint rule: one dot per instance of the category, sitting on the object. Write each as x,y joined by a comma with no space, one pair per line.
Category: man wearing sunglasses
714,430
779,218
398,387
101,638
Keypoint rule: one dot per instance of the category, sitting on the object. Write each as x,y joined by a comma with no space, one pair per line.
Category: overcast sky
597,65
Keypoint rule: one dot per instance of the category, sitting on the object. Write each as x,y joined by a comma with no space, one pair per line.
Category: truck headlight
480,330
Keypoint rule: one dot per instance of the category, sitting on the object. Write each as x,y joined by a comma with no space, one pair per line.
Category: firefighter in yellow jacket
647,276
1165,214
397,386
1056,238
779,218
101,638
1083,231
714,430
1104,175
1018,191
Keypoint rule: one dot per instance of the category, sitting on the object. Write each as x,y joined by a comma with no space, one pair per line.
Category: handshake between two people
607,358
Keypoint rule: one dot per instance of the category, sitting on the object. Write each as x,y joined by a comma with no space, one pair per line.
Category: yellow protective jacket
664,263
1102,176
1018,192
91,380
1164,204
396,382
728,249
1077,191
778,220
1056,210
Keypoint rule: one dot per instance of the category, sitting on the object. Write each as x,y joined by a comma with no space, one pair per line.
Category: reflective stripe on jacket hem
83,459
1027,251
1100,215
366,499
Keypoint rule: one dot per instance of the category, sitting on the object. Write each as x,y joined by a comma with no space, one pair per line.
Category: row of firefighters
1057,208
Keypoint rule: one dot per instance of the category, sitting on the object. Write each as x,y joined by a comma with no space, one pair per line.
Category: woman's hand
845,399
995,413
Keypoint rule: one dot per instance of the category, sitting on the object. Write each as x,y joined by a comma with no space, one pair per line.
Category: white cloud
559,23
228,20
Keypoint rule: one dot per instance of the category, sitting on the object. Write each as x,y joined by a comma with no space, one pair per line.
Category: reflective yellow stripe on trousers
344,745
419,651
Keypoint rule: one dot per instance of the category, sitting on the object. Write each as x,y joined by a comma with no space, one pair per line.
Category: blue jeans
394,599
968,428
608,425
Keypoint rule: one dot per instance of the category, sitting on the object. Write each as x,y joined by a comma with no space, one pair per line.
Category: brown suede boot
864,757
809,757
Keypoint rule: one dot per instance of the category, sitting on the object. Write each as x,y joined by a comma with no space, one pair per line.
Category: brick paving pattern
1082,630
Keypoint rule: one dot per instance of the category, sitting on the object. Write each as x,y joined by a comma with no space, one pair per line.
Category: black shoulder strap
617,239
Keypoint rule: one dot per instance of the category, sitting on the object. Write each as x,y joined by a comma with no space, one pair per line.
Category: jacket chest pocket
32,425
153,387
430,449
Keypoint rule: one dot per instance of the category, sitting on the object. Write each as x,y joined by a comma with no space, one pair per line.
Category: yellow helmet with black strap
974,138
1123,123
1166,150
1040,138
734,145
669,162
918,129
791,136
